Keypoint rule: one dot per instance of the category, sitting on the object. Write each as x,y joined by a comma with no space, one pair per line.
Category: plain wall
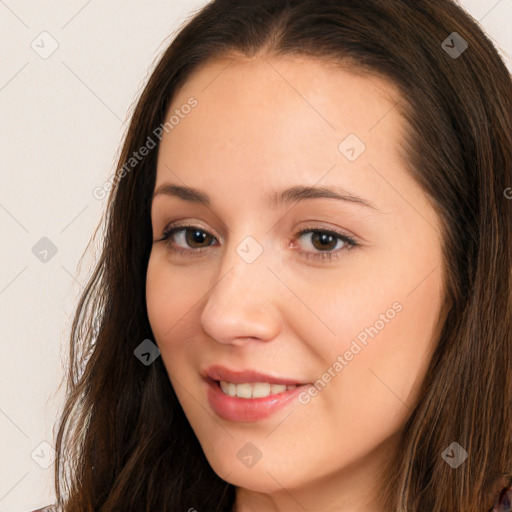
62,119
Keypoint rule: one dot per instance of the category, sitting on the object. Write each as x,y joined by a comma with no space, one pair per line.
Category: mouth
248,395
253,390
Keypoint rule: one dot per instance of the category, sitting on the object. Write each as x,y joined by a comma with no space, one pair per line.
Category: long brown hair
123,440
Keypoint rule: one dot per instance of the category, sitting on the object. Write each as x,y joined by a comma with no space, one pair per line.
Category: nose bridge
243,274
246,258
241,302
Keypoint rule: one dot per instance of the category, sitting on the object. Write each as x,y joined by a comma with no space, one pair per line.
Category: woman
304,296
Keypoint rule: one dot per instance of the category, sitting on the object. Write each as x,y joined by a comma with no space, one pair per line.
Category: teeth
256,390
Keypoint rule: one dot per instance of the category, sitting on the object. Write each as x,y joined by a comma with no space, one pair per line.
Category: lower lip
234,408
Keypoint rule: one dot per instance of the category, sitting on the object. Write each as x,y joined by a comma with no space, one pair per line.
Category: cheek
386,352
385,337
172,298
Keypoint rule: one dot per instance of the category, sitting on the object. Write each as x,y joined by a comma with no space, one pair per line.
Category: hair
124,442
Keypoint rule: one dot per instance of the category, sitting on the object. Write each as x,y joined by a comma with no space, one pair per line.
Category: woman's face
354,326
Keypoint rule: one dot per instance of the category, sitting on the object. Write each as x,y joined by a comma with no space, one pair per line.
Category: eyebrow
272,199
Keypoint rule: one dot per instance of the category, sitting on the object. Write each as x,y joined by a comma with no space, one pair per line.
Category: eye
189,238
193,240
325,241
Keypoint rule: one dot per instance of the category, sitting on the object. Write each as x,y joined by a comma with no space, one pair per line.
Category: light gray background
62,119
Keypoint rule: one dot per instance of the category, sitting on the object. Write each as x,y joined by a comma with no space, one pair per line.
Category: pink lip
233,408
218,373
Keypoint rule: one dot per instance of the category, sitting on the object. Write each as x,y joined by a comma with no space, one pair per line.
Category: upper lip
218,373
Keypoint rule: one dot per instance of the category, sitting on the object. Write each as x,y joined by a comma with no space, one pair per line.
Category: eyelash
348,240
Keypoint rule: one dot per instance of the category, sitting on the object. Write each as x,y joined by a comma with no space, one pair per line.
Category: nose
242,303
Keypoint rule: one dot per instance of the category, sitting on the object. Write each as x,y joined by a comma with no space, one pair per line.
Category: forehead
270,114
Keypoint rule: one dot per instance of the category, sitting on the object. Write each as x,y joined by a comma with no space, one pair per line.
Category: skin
266,123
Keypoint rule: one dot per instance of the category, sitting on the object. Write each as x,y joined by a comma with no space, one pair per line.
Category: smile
253,390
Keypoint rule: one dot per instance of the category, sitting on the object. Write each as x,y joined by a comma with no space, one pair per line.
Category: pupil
325,240
196,237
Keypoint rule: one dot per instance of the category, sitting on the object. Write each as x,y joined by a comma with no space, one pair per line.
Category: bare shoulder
48,508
